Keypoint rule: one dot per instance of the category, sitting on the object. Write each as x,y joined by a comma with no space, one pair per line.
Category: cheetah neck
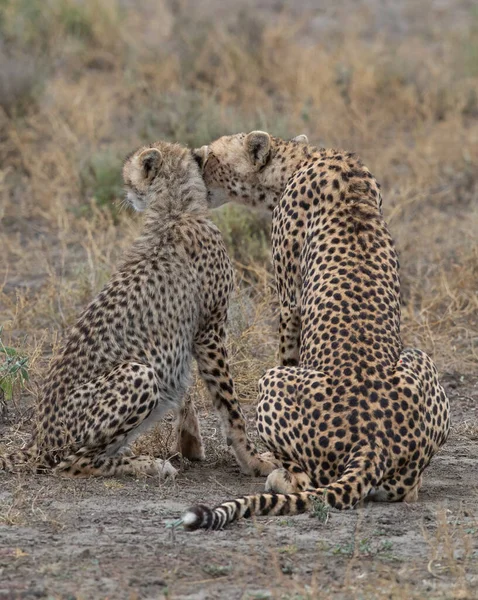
176,215
174,197
287,159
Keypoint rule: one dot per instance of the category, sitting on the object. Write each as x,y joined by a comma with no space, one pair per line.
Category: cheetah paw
125,451
164,469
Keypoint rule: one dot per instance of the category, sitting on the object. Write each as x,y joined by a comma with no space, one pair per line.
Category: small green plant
101,178
320,510
290,549
380,532
217,570
343,549
13,369
386,546
364,546
75,20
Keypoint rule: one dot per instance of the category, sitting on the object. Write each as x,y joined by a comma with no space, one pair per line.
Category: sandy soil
109,538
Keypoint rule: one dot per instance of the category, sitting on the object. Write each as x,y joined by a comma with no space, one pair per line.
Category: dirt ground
109,538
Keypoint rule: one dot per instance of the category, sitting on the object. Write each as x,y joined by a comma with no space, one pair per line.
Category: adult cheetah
360,415
128,359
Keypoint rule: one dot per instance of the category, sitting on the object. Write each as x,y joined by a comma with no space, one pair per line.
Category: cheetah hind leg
396,490
121,404
189,440
288,479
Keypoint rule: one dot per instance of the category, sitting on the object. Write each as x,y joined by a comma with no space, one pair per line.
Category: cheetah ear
302,139
258,148
200,155
150,161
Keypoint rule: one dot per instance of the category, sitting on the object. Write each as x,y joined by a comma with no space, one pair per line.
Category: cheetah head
162,175
246,168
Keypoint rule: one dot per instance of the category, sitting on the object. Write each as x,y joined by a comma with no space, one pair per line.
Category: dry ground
82,82
109,538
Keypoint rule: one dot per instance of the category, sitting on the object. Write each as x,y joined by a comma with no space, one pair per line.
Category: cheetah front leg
213,365
189,440
286,253
289,332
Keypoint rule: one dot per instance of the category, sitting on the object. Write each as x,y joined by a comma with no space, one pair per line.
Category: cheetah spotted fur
350,412
128,359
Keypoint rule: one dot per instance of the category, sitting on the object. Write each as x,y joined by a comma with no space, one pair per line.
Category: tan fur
128,359
349,412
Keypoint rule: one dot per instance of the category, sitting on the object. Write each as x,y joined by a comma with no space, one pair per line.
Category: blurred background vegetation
83,82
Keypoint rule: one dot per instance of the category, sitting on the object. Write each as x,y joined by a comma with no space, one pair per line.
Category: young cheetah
128,359
350,413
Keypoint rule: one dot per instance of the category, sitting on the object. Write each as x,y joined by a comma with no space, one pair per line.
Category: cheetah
128,359
350,413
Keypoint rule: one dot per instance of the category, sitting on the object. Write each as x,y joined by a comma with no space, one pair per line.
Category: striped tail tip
202,517
198,517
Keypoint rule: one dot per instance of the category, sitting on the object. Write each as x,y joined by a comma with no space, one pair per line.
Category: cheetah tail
344,493
202,517
20,460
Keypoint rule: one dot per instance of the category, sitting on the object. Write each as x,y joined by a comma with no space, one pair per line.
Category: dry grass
128,75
